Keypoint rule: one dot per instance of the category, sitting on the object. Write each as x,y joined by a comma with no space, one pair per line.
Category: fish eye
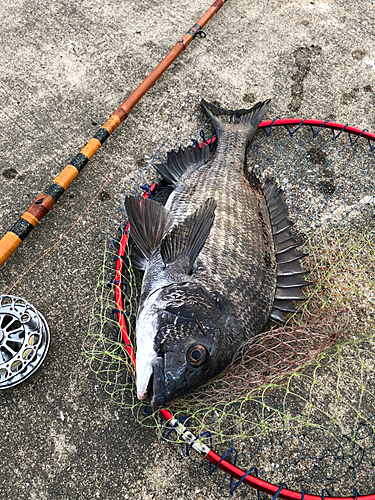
197,355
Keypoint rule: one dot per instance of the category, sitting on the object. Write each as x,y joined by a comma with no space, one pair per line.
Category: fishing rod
44,202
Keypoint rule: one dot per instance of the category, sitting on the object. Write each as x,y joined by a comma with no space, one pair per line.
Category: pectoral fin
187,238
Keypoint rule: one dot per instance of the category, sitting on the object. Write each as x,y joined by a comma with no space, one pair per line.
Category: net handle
211,456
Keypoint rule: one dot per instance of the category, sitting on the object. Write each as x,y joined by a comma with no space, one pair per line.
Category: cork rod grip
44,202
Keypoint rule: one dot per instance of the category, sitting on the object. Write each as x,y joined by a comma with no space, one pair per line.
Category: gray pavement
65,66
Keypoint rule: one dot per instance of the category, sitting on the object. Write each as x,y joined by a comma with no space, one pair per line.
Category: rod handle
44,202
8,243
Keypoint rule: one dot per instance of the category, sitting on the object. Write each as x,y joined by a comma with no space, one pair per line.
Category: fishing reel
24,340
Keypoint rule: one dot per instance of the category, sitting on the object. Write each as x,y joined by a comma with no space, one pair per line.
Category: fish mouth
156,390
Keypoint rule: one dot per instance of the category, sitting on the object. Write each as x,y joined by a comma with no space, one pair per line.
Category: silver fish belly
210,261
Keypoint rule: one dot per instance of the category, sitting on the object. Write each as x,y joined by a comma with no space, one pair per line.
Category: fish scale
219,261
236,226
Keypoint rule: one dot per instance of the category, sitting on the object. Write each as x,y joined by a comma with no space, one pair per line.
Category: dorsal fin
289,281
149,222
178,162
186,239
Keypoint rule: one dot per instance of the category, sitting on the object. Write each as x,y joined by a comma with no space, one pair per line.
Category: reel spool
24,340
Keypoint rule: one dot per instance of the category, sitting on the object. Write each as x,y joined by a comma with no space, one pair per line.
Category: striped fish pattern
219,261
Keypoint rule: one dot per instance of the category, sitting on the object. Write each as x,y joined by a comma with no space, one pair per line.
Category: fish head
196,340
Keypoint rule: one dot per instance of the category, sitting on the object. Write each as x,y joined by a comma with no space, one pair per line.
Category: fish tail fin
247,119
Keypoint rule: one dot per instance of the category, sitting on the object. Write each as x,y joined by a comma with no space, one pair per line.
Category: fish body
210,261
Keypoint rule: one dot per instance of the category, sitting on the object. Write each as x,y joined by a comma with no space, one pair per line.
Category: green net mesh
298,403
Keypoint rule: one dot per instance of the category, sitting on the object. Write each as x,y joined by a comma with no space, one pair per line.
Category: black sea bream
219,261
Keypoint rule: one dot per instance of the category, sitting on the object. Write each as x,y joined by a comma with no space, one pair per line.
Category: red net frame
218,461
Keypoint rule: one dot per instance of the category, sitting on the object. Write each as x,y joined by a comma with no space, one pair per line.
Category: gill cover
194,342
151,226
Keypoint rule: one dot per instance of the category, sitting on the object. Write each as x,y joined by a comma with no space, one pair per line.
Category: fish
219,260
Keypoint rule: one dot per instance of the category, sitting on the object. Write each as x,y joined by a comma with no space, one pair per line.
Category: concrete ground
65,66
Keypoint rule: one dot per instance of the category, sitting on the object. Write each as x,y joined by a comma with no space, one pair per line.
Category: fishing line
170,90
51,194
173,88
279,423
45,201
63,236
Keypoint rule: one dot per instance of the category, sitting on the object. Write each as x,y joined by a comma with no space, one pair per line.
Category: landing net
297,407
